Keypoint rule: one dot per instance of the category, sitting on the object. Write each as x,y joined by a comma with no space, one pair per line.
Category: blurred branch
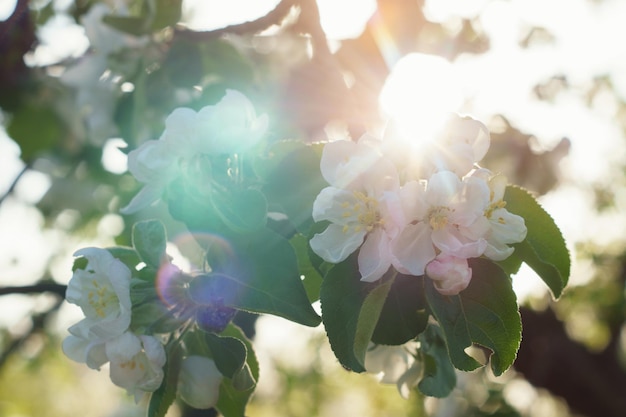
591,383
14,183
274,17
38,323
58,289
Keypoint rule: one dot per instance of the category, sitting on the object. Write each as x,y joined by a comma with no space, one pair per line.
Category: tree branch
42,287
274,17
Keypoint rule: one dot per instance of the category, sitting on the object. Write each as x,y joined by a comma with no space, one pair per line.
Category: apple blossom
395,365
85,351
361,205
450,274
498,226
199,382
228,127
155,164
136,363
102,291
439,218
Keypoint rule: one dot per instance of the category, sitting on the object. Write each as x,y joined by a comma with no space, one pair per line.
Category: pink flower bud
450,274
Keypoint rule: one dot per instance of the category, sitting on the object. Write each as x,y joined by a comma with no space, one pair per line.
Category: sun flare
419,95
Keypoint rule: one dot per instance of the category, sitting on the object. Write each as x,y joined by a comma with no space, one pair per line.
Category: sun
419,95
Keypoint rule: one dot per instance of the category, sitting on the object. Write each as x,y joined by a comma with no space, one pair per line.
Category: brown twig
58,289
273,17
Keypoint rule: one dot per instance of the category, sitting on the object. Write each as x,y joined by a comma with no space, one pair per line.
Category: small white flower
85,351
500,228
102,291
136,363
395,365
228,127
450,274
199,382
155,164
361,204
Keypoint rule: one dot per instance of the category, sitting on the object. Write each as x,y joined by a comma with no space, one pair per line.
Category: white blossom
136,363
361,204
102,291
228,127
199,382
439,218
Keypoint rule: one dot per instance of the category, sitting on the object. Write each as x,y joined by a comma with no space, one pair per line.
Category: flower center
365,211
100,297
493,207
438,217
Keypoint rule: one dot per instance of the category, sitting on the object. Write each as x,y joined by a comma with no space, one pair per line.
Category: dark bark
592,383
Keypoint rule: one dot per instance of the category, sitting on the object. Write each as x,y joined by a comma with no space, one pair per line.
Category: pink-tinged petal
413,248
450,274
412,198
374,256
442,189
449,240
334,244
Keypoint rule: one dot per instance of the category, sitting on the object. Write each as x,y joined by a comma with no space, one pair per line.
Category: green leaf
294,184
35,129
439,377
128,256
544,249
342,295
312,279
132,25
350,311
149,241
166,13
243,211
404,314
229,353
485,313
232,401
368,318
263,277
164,396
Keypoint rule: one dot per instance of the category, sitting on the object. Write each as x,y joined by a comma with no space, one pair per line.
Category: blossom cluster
228,127
423,210
102,289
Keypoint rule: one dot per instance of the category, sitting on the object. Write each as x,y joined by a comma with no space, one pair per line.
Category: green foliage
439,377
149,240
155,15
164,396
312,279
265,281
484,313
229,354
350,311
242,211
294,184
232,401
544,249
404,313
36,129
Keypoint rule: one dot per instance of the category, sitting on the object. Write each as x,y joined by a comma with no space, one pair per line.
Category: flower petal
334,245
374,256
413,248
